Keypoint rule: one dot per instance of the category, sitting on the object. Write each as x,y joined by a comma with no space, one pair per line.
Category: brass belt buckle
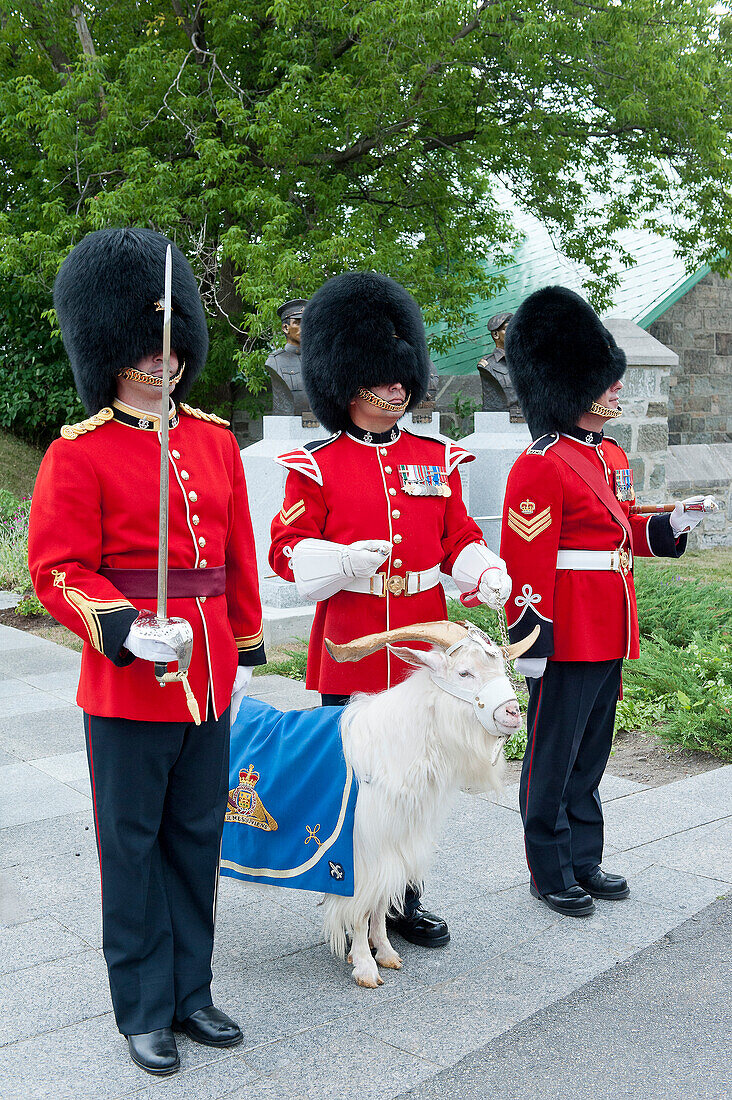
396,585
624,561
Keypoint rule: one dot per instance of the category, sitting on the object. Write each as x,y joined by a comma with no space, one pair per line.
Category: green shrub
30,605
14,573
683,693
8,505
37,392
674,607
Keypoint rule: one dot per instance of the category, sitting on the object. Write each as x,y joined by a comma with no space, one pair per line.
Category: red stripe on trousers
94,804
528,778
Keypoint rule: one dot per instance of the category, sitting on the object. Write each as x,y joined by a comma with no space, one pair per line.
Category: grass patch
19,464
290,661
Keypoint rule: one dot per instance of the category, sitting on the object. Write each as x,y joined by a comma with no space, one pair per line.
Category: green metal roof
645,291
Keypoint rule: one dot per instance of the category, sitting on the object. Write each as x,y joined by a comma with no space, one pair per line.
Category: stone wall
642,431
704,468
699,329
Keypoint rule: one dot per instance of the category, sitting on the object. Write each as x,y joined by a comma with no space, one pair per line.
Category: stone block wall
642,431
699,329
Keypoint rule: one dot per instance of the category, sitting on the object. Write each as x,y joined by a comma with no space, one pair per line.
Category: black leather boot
155,1051
416,925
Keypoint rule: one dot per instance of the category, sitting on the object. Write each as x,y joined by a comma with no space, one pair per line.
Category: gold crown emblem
248,776
527,507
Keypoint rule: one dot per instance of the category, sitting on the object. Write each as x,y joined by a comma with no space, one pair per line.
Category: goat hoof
349,959
368,980
390,960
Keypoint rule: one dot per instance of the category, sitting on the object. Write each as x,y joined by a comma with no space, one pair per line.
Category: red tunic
583,615
344,490
95,505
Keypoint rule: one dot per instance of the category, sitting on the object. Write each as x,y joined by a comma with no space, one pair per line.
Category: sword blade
162,606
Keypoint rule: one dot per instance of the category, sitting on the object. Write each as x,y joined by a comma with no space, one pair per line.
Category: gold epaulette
73,431
198,414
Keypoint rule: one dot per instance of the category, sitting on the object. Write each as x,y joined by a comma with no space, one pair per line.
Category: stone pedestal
496,444
266,479
286,616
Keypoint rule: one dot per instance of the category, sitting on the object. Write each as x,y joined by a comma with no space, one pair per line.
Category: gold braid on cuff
133,375
601,410
367,395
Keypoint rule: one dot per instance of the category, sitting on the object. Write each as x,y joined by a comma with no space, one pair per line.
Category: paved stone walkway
656,1027
309,1031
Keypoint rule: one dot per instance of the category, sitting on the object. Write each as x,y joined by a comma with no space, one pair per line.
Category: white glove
241,684
322,568
494,586
477,567
683,521
362,559
532,668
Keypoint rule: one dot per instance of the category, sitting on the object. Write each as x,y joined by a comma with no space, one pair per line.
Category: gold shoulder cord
198,414
73,431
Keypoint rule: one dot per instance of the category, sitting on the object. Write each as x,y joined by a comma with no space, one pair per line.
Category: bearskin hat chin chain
106,296
361,330
561,358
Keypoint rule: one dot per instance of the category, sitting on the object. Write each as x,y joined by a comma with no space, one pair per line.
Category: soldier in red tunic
159,780
569,542
373,515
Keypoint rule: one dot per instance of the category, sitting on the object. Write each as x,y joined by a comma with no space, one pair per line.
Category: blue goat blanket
292,797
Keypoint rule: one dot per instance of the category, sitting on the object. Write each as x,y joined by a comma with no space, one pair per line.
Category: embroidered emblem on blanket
244,804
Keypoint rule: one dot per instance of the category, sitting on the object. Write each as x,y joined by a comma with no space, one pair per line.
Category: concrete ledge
282,625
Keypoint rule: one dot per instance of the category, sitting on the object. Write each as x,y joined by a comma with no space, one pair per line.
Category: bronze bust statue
498,392
284,365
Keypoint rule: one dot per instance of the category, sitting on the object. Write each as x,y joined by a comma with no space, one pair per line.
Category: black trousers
159,791
413,895
570,719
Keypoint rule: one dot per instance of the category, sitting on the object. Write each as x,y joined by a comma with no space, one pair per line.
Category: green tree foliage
36,386
283,142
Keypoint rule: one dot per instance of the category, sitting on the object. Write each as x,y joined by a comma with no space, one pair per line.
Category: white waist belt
613,561
397,585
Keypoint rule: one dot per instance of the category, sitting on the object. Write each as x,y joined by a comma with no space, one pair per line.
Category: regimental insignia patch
527,507
624,485
529,529
289,515
245,806
424,481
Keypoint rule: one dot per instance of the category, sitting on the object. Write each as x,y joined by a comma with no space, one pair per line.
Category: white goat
411,748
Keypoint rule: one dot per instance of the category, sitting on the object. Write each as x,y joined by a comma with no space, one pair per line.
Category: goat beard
470,746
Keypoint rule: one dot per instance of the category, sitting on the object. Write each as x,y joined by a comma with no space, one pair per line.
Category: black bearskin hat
359,330
105,296
560,357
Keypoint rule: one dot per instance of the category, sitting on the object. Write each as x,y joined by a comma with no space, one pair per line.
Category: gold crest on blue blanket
624,485
244,804
424,481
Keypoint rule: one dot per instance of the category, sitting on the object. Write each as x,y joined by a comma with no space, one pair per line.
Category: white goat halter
490,695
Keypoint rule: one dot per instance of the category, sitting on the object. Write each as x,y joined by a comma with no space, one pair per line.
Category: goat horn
511,652
443,634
